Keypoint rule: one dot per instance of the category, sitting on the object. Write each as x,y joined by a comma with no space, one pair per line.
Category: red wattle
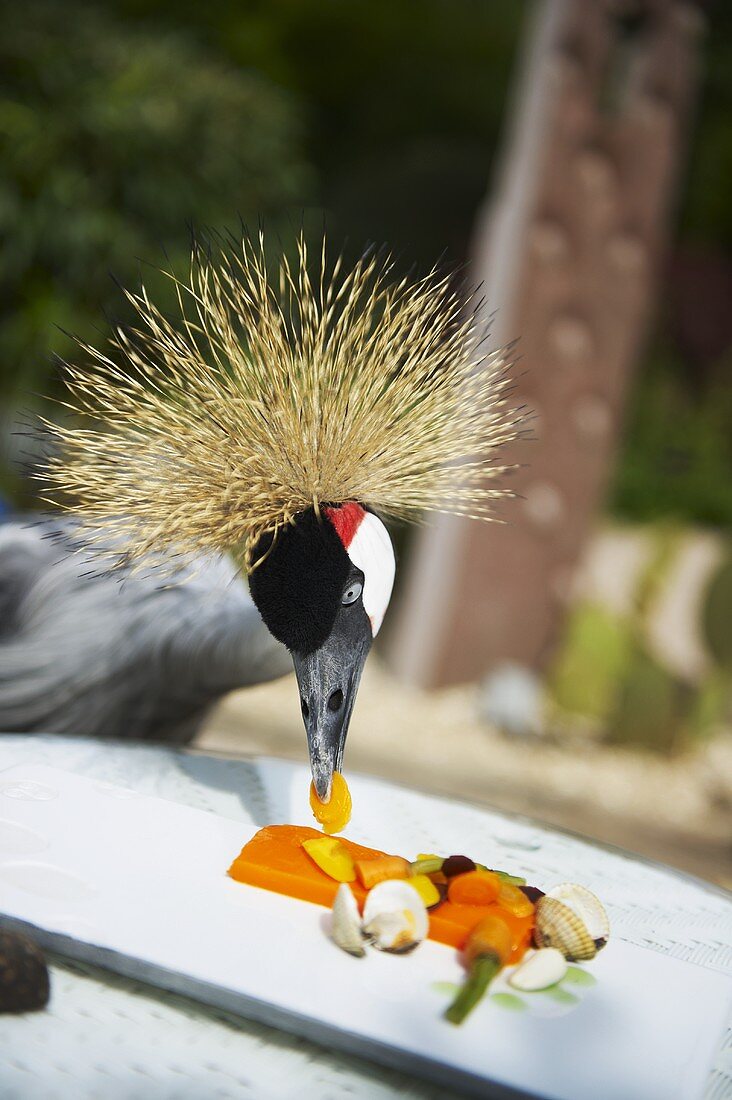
346,519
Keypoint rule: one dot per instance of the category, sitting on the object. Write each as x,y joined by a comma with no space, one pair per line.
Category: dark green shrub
113,140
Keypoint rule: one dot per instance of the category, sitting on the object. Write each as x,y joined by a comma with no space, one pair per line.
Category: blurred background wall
124,122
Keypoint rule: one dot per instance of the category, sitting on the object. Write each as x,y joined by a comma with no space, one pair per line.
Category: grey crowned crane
268,425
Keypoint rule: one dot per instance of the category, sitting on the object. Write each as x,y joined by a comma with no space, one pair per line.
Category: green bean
482,972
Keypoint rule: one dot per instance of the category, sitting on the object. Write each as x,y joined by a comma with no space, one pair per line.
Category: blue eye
352,592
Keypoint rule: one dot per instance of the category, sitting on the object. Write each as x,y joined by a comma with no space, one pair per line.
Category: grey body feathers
94,654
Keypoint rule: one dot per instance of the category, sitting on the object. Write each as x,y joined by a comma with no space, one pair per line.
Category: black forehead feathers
298,586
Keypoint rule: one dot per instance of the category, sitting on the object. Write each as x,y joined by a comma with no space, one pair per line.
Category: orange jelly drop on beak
333,815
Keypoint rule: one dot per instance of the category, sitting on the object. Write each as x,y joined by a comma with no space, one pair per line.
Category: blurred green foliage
717,616
405,102
677,455
609,676
112,142
594,654
706,209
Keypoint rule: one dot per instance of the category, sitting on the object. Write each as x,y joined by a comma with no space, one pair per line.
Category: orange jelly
274,859
335,814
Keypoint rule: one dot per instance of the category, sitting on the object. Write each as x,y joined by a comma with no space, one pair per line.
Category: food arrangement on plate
273,959
387,902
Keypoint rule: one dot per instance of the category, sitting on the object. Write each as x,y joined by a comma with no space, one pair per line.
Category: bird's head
322,588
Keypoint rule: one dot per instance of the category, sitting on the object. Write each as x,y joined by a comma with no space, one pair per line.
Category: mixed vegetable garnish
385,901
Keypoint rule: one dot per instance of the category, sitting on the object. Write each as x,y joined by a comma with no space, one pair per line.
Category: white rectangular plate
139,885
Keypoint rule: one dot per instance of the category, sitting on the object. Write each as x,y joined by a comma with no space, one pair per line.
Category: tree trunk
568,252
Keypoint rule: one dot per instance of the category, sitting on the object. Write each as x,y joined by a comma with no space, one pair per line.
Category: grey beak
328,680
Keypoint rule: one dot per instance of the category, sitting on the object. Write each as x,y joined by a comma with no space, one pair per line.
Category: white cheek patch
371,551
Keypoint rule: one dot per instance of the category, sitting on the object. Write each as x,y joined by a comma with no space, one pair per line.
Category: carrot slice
474,888
491,935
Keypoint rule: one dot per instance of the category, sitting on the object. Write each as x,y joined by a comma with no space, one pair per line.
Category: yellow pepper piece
336,814
426,889
332,857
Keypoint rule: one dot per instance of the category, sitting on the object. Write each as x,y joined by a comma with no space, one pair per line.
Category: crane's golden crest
265,397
